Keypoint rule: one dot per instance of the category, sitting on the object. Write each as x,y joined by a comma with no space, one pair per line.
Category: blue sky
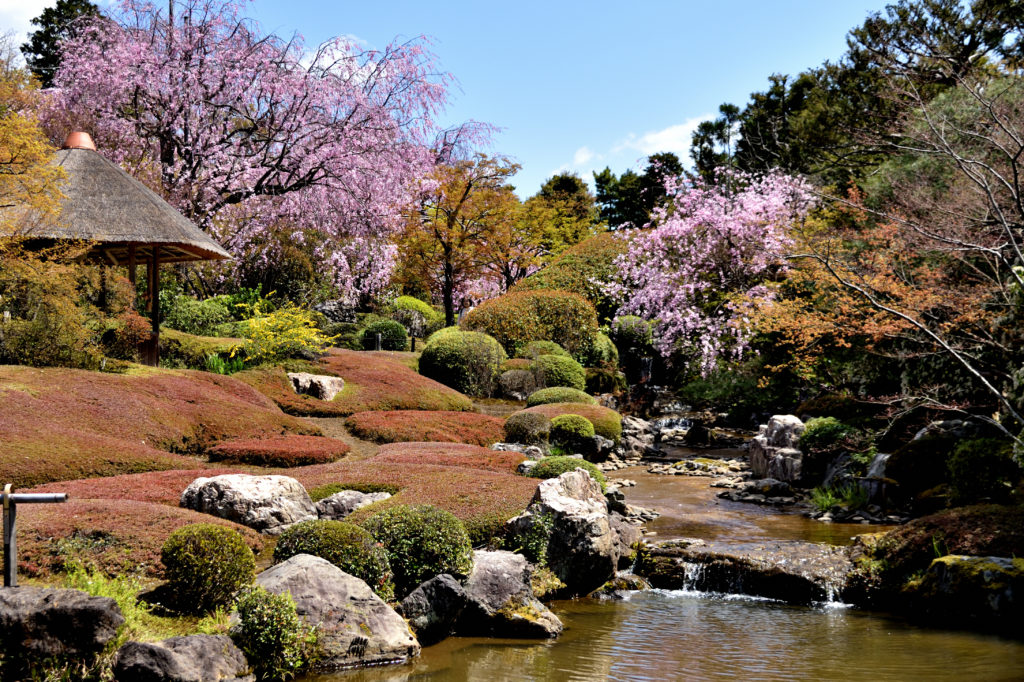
580,85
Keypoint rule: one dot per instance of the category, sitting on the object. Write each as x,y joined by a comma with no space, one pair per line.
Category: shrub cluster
392,336
607,422
270,634
556,370
823,434
347,546
279,451
206,565
559,394
601,380
535,349
517,383
422,541
582,268
570,431
417,316
527,428
982,468
469,362
602,352
285,333
516,319
553,467
192,316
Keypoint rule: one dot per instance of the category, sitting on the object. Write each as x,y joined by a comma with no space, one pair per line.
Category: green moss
553,467
570,431
559,394
324,491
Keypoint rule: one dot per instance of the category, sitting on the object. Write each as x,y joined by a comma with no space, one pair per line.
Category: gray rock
42,622
336,311
582,547
342,503
526,466
529,451
501,601
319,386
433,608
628,535
195,658
354,626
268,504
768,487
774,453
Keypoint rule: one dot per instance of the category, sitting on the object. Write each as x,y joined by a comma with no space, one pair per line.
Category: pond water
678,635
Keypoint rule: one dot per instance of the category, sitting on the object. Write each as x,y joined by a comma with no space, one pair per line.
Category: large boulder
501,602
342,503
983,590
583,547
195,658
434,607
354,626
318,386
41,622
774,452
268,504
637,436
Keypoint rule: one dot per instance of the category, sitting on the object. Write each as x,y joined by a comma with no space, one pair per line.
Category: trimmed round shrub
469,362
555,370
553,467
347,546
603,352
415,304
442,332
601,380
527,428
581,268
516,384
422,541
607,422
516,319
393,336
569,431
982,468
535,349
207,565
415,315
270,634
191,316
559,394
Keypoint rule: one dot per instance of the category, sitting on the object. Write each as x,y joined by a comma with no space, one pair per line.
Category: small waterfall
693,574
877,467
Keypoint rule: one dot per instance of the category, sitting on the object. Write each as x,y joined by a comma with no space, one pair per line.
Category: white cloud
583,156
16,16
675,138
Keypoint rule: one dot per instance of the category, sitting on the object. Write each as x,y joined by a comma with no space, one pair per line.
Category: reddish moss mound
441,427
373,381
280,451
607,422
982,530
454,455
482,499
160,487
116,536
59,424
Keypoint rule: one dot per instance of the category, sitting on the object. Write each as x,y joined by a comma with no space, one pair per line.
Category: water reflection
683,636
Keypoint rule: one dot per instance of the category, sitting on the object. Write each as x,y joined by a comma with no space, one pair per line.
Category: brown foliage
446,427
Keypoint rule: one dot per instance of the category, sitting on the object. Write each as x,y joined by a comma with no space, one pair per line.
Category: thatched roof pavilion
128,223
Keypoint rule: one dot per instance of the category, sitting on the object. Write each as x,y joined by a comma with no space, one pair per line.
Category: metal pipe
10,502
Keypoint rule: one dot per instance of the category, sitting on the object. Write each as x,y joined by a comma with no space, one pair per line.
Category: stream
684,635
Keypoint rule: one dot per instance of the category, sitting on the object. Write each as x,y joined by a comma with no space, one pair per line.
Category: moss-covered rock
980,590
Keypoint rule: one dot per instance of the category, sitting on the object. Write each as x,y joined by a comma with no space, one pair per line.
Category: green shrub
559,394
268,631
535,349
469,362
553,467
602,353
607,422
206,565
602,380
442,332
982,468
422,541
192,316
415,304
527,428
516,319
569,431
823,434
392,336
516,383
347,546
632,332
583,268
555,370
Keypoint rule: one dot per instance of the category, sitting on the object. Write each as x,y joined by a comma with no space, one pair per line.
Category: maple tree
257,139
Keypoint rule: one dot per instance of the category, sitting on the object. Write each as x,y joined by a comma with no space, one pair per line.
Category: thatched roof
106,205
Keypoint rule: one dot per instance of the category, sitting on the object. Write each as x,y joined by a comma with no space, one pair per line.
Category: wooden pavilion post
153,306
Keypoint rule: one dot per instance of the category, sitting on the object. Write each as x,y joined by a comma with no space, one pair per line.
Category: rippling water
662,635
672,635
